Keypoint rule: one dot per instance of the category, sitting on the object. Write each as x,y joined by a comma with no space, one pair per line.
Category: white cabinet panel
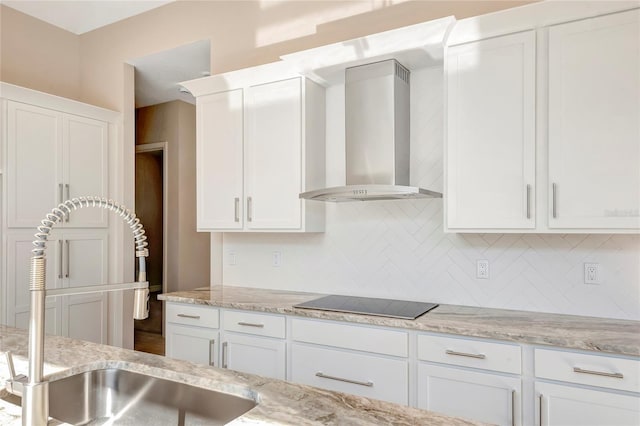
361,374
484,397
273,155
195,344
219,160
255,355
594,123
34,163
53,156
490,154
85,153
570,406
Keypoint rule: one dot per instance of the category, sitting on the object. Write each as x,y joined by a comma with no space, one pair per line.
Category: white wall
397,249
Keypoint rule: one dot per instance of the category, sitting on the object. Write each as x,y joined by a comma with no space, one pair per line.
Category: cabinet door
484,397
86,173
490,153
273,160
84,264
255,355
569,406
594,123
195,344
219,160
17,303
34,163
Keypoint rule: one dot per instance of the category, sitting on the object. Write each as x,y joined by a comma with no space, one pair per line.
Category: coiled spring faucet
34,389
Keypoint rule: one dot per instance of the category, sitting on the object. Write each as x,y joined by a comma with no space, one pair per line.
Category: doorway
151,186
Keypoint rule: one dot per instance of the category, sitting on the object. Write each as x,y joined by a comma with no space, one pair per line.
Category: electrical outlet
232,258
482,269
592,273
276,259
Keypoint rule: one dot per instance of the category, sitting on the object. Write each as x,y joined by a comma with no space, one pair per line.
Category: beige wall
37,55
187,250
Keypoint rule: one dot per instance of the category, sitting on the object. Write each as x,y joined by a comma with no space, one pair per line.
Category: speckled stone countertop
279,402
574,332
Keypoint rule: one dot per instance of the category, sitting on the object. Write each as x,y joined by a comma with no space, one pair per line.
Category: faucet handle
10,366
15,383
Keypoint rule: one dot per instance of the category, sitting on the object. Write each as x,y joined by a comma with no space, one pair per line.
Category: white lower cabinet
365,361
75,258
254,343
192,333
613,398
485,397
480,382
560,405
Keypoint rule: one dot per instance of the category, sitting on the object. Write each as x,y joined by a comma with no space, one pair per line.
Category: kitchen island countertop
614,336
279,402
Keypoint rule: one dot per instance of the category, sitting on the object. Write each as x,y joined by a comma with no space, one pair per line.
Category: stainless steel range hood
377,137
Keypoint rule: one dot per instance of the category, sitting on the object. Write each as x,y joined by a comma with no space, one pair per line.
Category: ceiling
80,17
157,75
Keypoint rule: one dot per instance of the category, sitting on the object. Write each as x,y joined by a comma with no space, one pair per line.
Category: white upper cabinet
219,160
543,125
594,123
53,156
260,143
490,155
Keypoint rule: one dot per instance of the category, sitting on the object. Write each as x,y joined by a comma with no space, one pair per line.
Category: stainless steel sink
119,397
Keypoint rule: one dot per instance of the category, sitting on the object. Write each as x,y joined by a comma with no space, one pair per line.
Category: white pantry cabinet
260,142
53,156
74,259
254,343
483,376
613,399
594,123
543,125
490,150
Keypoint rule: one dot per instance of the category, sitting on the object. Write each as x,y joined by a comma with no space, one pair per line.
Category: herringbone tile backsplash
398,249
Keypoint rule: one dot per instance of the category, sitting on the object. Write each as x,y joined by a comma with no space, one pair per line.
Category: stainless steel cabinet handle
540,408
478,356
598,373
513,408
340,379
528,201
554,209
60,258
60,193
250,324
66,185
236,216
224,355
188,316
66,244
212,344
249,209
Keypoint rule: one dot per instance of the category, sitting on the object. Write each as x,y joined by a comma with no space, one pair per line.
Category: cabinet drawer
382,341
250,323
366,375
470,353
586,369
192,315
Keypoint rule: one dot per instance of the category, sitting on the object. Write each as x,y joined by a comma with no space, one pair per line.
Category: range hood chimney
377,137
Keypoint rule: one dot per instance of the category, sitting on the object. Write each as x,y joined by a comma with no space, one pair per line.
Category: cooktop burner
369,306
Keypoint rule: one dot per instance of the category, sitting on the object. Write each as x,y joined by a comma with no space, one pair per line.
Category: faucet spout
35,393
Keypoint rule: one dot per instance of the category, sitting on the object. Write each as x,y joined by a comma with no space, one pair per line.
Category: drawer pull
251,324
189,316
478,356
212,344
225,361
540,408
340,379
513,408
598,373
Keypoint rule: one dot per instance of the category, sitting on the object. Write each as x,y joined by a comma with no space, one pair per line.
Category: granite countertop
279,402
568,331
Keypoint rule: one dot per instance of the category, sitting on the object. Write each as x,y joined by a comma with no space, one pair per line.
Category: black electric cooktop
369,306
